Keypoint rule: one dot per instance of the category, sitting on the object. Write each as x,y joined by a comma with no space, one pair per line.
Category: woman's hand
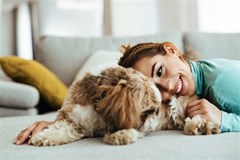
205,110
25,134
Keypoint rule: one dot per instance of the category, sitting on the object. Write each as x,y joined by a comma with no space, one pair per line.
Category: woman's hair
132,54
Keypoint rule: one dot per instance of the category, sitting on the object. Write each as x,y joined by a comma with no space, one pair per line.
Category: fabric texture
163,145
11,112
66,55
3,75
213,45
17,95
98,61
51,89
217,80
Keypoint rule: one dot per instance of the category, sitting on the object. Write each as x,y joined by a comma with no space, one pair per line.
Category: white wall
0,27
84,18
135,17
8,43
177,15
24,31
70,18
219,16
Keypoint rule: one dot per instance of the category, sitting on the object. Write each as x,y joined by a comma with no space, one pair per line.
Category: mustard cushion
52,90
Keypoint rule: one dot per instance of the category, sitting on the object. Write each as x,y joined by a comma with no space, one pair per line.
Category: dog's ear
118,107
82,90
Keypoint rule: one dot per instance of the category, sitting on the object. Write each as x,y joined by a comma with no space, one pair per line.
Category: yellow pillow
52,90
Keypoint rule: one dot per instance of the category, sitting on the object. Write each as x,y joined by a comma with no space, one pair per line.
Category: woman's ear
170,48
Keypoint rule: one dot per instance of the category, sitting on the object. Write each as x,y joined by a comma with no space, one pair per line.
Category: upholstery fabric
3,75
163,145
213,45
11,112
96,62
17,95
31,72
65,55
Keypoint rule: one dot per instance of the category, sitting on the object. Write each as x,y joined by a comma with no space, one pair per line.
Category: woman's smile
178,86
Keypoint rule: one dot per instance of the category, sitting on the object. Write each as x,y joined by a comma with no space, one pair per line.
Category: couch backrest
213,45
65,55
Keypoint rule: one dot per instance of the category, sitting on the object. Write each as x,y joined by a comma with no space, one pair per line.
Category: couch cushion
95,63
163,145
214,45
16,95
3,75
64,55
10,112
51,89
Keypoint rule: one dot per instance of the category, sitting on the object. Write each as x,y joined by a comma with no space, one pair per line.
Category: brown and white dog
120,104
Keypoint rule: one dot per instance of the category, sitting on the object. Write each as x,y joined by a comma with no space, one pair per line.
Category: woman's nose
166,96
166,89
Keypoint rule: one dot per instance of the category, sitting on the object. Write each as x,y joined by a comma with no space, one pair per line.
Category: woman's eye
159,72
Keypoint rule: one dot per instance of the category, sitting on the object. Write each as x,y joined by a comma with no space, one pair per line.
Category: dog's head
123,97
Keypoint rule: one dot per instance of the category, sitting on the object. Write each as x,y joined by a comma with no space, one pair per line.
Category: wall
135,17
177,15
8,43
70,18
128,18
219,16
0,27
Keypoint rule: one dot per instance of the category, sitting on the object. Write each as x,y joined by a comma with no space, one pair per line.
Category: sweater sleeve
230,122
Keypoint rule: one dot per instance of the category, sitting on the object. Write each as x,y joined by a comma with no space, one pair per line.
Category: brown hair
132,54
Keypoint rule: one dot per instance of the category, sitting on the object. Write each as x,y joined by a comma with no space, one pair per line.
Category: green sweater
218,81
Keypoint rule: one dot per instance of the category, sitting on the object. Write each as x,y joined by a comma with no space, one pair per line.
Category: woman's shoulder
221,60
218,61
217,64
216,70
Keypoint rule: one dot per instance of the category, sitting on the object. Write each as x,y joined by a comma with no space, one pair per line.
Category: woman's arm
25,134
230,122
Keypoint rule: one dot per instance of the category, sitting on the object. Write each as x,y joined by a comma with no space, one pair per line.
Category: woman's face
171,75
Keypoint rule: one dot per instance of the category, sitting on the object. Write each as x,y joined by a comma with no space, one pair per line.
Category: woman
215,81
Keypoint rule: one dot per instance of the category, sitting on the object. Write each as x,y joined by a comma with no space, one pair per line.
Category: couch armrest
16,95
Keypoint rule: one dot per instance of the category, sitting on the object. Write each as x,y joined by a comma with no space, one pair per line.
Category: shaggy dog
120,104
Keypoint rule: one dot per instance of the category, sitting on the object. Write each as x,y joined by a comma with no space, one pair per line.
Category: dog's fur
120,104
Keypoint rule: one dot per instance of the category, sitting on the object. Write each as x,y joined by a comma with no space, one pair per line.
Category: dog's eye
146,113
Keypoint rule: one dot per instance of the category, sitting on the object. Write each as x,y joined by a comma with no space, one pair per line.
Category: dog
121,105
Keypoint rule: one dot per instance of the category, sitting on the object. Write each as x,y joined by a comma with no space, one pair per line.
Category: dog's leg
194,126
212,128
197,126
60,132
121,137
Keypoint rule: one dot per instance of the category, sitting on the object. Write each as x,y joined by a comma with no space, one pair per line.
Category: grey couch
65,56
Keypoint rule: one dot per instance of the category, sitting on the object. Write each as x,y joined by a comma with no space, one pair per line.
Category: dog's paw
194,126
61,132
39,140
212,128
42,140
122,137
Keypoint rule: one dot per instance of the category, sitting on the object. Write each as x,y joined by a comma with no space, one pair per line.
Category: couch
67,57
